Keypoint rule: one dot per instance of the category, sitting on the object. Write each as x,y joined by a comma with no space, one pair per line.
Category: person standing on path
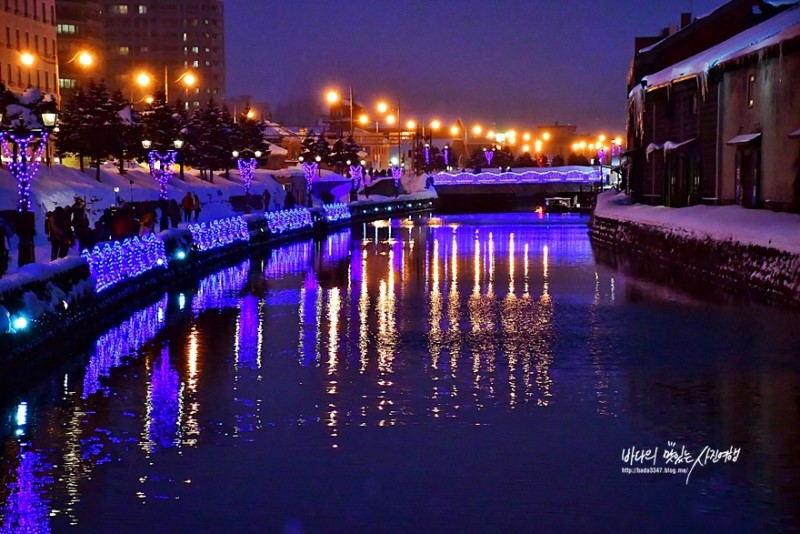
187,205
197,207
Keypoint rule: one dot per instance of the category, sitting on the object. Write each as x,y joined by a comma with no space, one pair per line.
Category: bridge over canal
502,190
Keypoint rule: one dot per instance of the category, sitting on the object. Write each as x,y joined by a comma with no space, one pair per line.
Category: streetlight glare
27,58
526,136
332,96
526,148
546,136
477,129
382,107
490,134
251,114
602,138
143,79
149,100
454,130
411,125
85,58
363,119
618,141
436,124
189,79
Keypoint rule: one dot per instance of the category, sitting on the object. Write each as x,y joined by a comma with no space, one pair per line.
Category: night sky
503,62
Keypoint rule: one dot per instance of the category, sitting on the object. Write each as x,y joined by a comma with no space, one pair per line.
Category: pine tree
101,125
525,160
70,122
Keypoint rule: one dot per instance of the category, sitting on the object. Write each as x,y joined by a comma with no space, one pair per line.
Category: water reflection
408,322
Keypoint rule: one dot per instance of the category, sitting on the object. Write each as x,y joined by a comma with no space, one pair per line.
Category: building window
44,12
68,83
144,49
195,50
69,29
185,37
119,9
124,50
751,91
142,9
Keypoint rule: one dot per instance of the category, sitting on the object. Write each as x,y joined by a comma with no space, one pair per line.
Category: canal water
457,373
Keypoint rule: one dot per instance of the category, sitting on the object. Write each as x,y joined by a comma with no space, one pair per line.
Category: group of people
66,225
190,204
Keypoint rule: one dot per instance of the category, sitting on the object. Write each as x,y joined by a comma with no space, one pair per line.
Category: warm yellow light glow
602,138
390,119
189,79
149,100
454,130
546,136
363,119
575,147
143,79
490,134
382,107
538,145
583,144
411,125
85,58
526,148
27,58
511,133
591,146
526,136
436,124
618,141
477,129
332,96
251,114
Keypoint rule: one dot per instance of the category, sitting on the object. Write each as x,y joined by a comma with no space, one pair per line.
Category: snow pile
720,223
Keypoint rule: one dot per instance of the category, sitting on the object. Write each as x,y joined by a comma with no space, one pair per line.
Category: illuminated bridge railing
543,176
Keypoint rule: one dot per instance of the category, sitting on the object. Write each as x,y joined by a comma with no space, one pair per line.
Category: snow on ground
59,185
723,223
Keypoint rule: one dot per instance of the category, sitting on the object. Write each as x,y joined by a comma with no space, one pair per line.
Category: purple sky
514,63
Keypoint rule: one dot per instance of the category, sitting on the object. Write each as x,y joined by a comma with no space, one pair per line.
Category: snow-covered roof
652,147
744,139
777,29
672,145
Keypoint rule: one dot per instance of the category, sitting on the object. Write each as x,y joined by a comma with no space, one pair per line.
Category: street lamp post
333,97
247,162
27,146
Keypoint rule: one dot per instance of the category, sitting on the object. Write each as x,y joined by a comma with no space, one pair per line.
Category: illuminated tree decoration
336,212
310,173
527,177
24,167
397,173
161,169
247,169
446,156
489,154
163,404
26,509
113,263
427,154
601,155
248,333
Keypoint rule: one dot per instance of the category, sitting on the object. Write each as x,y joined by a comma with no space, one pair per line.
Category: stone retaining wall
760,273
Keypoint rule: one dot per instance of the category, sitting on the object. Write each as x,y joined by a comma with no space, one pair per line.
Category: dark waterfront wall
755,272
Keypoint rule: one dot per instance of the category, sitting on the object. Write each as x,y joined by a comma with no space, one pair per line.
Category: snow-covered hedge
287,220
219,233
111,263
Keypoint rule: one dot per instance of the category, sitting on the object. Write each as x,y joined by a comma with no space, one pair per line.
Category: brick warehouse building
719,125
